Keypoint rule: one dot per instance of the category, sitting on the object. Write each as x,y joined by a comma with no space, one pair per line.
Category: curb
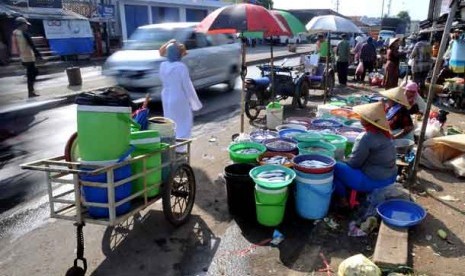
28,108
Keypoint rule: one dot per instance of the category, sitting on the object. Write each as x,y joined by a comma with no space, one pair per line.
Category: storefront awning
42,13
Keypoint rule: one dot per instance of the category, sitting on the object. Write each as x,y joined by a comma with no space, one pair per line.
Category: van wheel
231,82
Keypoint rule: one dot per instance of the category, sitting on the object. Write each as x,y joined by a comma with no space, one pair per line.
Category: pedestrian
23,45
322,48
178,95
343,55
421,56
372,163
417,104
391,77
368,57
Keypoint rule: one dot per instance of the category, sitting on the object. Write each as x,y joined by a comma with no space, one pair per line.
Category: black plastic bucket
74,76
241,190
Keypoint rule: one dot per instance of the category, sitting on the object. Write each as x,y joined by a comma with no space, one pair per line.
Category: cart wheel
252,107
179,195
304,93
72,149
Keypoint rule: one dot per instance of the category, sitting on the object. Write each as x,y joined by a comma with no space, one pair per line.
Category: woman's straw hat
393,40
374,114
396,94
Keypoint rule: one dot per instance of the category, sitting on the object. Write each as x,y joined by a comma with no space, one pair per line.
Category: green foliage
404,16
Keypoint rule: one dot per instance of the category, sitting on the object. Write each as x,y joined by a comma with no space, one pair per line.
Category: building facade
133,14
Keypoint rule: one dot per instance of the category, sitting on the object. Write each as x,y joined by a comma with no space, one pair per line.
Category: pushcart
65,191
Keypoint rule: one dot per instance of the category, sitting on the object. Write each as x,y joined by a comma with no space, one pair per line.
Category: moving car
211,59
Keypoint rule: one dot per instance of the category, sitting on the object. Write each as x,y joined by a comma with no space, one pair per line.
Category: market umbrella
240,18
328,24
295,25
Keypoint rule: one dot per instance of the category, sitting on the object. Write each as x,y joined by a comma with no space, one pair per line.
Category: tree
404,16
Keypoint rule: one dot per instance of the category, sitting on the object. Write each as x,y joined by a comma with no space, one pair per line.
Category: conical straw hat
374,114
396,94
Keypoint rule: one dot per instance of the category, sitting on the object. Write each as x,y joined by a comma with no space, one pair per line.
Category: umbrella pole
445,35
243,74
272,70
328,53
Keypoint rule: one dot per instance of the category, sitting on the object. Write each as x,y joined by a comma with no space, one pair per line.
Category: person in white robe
179,98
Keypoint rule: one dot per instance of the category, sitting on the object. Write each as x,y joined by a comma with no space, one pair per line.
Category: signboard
59,29
106,11
83,8
45,4
445,7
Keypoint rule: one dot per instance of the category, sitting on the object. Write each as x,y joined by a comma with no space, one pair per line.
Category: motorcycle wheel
302,98
252,107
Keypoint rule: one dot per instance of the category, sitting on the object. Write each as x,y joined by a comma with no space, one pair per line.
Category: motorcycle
288,82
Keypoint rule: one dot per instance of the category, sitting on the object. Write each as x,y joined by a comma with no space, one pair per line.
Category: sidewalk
13,100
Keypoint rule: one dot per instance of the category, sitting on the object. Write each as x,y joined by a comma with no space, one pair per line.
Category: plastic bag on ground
358,265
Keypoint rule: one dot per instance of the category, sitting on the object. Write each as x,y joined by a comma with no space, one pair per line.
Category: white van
211,59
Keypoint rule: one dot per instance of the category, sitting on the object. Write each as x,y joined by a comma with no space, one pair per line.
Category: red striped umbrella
241,18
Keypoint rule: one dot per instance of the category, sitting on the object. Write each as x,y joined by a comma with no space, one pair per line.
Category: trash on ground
358,265
428,237
449,198
370,224
354,231
212,139
278,237
442,234
331,223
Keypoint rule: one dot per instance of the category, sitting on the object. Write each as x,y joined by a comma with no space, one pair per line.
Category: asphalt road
23,201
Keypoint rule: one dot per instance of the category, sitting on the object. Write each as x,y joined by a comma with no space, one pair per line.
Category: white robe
178,97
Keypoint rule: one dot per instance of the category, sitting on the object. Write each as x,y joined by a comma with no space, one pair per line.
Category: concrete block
391,247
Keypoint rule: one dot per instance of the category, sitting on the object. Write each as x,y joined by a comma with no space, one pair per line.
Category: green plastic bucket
339,142
317,147
270,196
270,214
167,130
103,131
146,142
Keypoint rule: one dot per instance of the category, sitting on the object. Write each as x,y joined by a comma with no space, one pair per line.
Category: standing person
391,78
368,57
178,95
421,56
372,163
23,45
343,55
322,47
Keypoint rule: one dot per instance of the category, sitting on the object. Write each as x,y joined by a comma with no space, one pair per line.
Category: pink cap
411,86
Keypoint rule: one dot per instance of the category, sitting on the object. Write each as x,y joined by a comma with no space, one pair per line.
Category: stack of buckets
167,131
103,138
274,115
271,197
314,187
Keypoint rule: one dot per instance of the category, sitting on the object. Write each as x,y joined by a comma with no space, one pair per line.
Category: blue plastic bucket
100,195
313,194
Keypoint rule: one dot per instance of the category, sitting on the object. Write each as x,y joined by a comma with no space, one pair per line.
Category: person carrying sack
22,45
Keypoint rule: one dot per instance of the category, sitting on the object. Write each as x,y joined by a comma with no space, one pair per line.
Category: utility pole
382,10
337,5
389,8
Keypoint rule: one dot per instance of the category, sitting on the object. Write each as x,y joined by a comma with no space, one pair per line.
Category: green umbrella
294,23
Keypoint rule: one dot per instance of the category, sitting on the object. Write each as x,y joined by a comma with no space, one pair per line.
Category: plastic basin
288,155
309,136
290,133
261,135
292,126
401,213
281,145
239,157
330,162
318,147
326,123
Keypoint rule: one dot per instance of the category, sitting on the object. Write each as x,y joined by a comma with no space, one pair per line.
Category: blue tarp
72,46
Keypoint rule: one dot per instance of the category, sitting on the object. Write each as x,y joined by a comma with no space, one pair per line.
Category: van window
153,38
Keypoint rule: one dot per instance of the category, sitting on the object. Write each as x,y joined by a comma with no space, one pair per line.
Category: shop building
133,14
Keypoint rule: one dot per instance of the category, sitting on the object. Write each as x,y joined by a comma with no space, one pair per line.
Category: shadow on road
149,245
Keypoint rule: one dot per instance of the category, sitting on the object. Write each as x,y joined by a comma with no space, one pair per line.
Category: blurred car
211,59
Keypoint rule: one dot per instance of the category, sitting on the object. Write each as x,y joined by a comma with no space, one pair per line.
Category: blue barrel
313,194
100,195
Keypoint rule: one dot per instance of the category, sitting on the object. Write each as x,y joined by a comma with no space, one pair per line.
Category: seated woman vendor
416,102
372,163
398,114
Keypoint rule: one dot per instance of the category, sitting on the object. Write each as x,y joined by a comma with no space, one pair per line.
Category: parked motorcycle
288,82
